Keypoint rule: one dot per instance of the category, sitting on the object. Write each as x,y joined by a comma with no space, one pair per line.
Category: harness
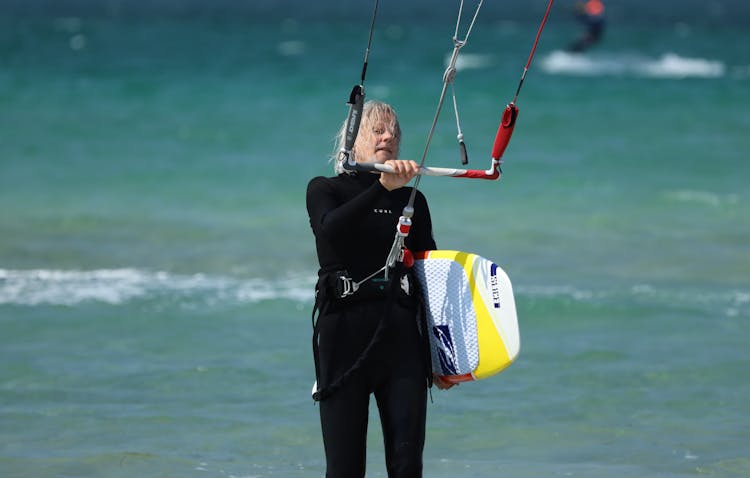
338,290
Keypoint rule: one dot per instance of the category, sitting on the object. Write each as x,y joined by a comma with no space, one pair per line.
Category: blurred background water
156,262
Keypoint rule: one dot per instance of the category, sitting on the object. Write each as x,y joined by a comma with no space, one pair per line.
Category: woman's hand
404,171
442,383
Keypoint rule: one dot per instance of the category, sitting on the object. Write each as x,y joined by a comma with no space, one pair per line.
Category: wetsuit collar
364,178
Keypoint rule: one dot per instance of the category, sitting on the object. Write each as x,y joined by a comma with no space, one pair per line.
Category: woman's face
377,141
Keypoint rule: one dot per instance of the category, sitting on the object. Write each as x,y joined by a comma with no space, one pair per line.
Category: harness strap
320,307
342,287
322,304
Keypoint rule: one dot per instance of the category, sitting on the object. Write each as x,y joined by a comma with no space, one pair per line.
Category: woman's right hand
442,383
404,171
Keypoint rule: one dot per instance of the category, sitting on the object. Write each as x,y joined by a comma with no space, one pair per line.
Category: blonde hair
374,113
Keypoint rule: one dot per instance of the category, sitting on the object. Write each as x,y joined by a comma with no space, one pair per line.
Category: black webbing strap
320,307
321,304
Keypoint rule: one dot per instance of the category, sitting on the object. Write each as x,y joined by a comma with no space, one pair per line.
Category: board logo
494,285
445,349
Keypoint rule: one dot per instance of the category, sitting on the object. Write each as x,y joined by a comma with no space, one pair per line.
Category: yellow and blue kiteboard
471,314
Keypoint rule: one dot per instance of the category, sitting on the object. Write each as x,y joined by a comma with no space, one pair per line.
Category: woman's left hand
404,171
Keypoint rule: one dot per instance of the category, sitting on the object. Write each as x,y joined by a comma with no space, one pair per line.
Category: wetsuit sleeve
423,239
328,217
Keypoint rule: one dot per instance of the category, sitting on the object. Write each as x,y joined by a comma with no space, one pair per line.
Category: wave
705,198
728,303
470,61
122,286
668,66
119,286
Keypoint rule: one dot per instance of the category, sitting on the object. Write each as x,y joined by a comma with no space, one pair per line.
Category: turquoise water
156,264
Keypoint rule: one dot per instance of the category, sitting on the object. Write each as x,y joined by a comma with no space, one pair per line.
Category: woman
370,341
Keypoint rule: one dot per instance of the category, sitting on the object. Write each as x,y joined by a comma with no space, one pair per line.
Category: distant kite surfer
591,14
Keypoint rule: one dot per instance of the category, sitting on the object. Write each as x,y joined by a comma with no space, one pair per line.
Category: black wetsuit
354,219
594,30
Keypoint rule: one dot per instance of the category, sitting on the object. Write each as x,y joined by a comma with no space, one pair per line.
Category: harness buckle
345,286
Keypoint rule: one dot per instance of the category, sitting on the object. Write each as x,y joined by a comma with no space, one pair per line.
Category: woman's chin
382,156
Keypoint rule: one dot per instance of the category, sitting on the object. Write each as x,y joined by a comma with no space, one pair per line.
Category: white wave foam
468,61
123,286
118,286
730,302
556,291
669,65
703,197
675,66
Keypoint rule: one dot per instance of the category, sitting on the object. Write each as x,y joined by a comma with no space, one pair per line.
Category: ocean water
156,262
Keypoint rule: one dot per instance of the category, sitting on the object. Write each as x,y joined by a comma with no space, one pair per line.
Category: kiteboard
471,314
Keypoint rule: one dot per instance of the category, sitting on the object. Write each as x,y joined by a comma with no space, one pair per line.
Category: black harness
334,289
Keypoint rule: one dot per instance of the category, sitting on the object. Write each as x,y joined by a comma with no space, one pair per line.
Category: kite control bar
502,138
492,173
